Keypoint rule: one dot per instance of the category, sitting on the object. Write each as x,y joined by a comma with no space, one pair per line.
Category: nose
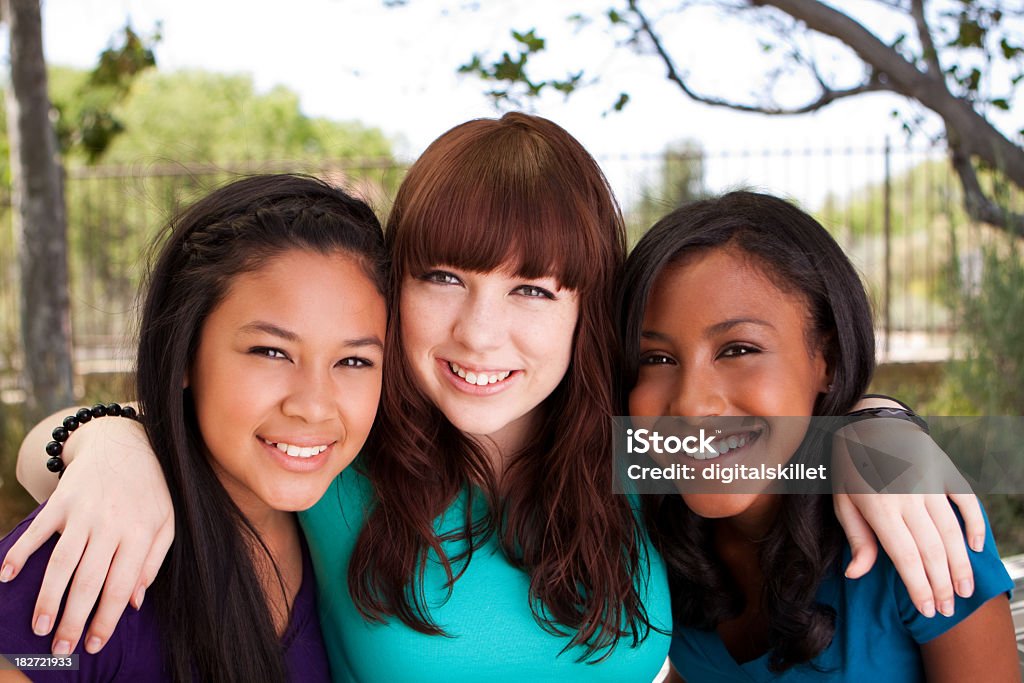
698,395
480,324
311,397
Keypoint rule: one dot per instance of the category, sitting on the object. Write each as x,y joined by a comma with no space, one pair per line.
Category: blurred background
895,122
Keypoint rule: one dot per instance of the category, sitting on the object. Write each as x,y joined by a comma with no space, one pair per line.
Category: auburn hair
521,195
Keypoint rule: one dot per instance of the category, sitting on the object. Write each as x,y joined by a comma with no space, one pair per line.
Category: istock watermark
784,454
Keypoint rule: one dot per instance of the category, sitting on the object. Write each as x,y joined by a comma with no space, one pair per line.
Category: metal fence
896,211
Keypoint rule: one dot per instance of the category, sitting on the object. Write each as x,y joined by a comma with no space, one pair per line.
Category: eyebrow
717,328
269,328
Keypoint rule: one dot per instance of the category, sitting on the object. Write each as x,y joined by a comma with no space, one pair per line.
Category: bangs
506,201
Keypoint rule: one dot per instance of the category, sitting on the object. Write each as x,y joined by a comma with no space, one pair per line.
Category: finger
974,520
928,549
960,571
63,561
125,569
863,548
43,527
153,561
85,589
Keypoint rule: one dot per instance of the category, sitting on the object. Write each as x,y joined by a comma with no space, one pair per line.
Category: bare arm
113,512
981,647
31,468
919,531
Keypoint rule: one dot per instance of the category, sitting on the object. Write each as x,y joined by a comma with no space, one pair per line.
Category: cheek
360,405
423,323
652,396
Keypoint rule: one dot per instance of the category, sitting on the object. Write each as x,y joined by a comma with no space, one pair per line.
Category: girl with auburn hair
743,308
481,511
252,407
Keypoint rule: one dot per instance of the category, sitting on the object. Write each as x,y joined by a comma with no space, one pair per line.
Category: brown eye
656,359
737,350
356,362
268,352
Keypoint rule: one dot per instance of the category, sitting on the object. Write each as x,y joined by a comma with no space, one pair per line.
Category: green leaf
614,17
1009,51
530,40
1001,103
621,103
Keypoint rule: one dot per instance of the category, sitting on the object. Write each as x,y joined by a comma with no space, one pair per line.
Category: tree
39,215
680,179
961,59
37,175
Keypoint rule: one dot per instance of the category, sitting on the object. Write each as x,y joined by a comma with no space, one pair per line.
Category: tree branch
827,96
977,204
924,34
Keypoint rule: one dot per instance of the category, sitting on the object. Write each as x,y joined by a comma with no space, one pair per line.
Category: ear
825,358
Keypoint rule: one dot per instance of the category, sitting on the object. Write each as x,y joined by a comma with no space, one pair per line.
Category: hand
114,514
919,531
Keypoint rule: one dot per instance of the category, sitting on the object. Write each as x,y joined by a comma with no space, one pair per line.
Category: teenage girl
253,407
482,510
744,306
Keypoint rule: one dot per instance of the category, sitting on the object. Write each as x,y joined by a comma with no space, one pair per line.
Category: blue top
878,629
494,635
134,651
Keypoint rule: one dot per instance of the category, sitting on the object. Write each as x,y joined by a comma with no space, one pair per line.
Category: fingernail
7,573
138,597
965,588
62,647
92,646
42,625
946,608
928,609
978,544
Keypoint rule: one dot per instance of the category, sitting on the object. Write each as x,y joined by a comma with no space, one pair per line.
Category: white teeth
297,451
481,379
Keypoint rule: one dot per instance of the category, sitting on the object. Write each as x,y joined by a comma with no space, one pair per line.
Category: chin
719,505
479,424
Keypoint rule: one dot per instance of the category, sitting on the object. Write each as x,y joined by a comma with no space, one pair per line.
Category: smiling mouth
729,444
479,379
296,451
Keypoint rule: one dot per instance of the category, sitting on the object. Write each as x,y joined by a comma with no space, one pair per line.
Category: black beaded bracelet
887,411
55,448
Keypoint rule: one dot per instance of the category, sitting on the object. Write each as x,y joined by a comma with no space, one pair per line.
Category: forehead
708,287
318,295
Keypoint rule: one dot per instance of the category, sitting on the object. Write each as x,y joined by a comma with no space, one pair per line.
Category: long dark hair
213,614
800,257
520,192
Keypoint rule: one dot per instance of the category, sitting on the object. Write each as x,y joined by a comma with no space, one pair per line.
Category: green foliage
86,121
197,116
679,179
991,375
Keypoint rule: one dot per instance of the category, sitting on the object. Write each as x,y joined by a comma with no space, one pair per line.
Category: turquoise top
878,630
493,634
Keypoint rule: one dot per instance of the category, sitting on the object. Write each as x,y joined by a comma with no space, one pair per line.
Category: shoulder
18,597
343,507
990,579
134,644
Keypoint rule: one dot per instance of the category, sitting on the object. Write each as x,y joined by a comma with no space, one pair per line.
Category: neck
500,446
753,524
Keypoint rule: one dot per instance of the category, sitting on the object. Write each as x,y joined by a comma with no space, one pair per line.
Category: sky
395,68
